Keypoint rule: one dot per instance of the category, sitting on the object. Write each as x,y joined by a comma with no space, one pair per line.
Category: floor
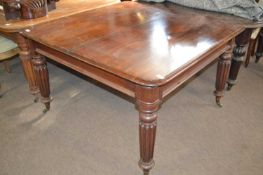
92,130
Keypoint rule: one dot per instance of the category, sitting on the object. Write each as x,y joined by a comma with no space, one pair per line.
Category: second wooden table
12,28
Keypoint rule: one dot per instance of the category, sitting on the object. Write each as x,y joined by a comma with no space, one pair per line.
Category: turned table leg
148,101
25,56
238,57
223,68
42,77
259,52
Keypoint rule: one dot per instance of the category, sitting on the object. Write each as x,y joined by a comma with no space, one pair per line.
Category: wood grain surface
143,44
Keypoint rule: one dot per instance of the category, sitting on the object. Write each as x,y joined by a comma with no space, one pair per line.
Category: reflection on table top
138,42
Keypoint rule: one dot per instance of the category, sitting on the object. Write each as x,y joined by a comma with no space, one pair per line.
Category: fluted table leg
41,71
238,56
223,68
25,55
148,101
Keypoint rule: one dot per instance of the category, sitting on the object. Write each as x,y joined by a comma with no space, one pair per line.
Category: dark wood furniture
252,45
11,29
51,4
11,9
238,57
259,51
27,9
143,51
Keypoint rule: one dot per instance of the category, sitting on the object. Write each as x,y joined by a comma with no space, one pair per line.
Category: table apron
191,69
100,75
8,35
125,86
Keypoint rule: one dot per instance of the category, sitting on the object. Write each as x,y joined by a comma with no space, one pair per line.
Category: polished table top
146,45
64,8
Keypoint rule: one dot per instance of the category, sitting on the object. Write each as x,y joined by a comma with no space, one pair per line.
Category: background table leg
238,56
259,52
223,68
0,91
250,51
41,71
26,59
148,101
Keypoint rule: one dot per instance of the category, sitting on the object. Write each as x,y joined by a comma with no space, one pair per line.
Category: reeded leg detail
41,71
148,101
25,56
238,57
223,68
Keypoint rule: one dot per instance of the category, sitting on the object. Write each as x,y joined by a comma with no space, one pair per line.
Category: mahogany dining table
12,28
143,50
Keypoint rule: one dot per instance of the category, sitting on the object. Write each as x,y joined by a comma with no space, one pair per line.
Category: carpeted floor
91,130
